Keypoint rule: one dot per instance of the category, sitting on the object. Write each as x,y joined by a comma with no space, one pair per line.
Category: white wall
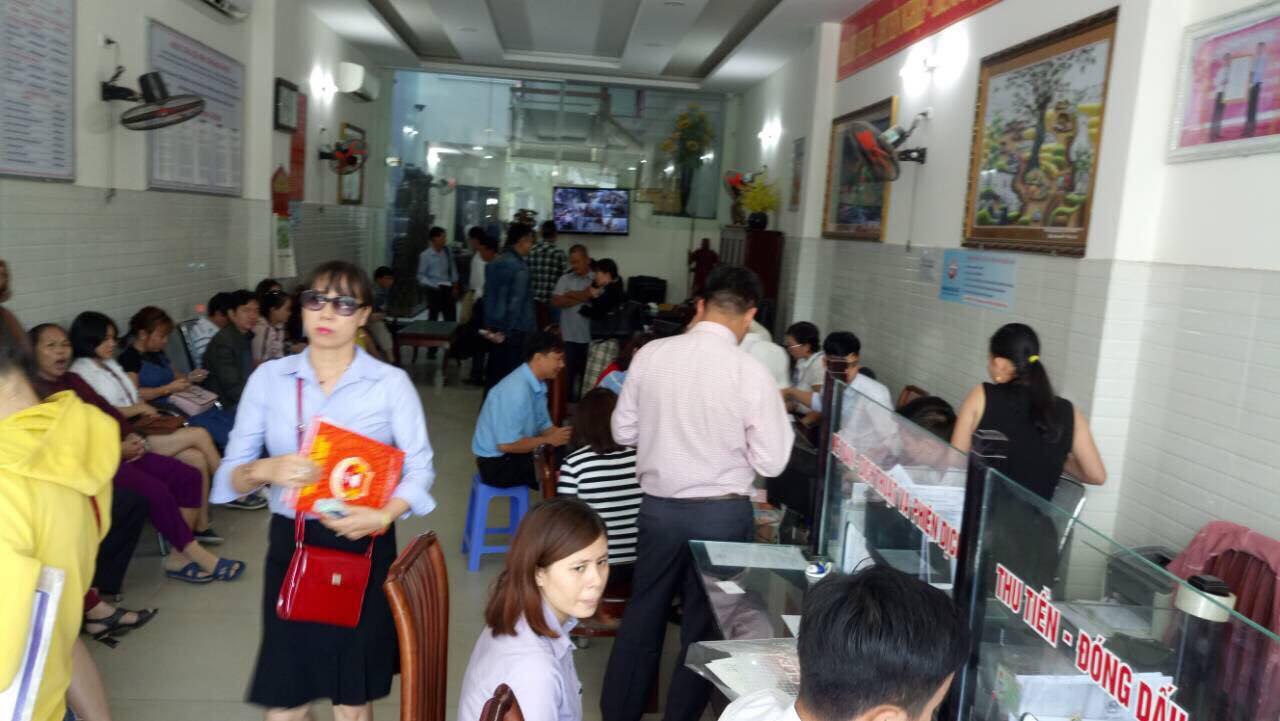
76,246
1161,335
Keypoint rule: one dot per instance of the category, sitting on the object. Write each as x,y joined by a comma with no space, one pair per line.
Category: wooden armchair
502,707
418,589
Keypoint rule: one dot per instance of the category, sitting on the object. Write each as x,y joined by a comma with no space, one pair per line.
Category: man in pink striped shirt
705,418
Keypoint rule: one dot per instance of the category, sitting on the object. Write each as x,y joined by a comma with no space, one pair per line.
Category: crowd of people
668,439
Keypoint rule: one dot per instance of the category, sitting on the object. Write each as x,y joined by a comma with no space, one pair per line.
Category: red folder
354,469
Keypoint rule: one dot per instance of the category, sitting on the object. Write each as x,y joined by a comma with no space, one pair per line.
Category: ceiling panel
427,35
718,30
594,28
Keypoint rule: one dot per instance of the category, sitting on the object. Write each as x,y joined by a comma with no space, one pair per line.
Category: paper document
17,703
749,672
730,588
793,624
755,555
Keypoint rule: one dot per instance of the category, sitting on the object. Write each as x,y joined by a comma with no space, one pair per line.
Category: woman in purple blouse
556,571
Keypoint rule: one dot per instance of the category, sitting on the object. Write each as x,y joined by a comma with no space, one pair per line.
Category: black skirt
301,662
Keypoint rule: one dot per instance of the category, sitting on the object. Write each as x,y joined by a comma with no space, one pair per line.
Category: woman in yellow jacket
57,459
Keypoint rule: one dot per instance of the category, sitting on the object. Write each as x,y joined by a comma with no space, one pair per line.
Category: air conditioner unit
356,80
231,8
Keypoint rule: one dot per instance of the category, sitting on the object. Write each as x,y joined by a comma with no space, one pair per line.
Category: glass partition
1069,624
893,492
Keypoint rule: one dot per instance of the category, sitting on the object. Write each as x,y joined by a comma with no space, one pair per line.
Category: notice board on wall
204,155
37,54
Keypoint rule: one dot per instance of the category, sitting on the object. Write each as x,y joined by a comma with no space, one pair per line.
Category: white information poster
37,92
204,154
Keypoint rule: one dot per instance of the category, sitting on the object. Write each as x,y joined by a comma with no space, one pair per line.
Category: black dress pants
503,358
575,365
508,471
441,304
664,567
129,512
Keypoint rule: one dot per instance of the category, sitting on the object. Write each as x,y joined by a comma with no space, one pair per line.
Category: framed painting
1036,140
1228,100
797,174
351,185
286,108
856,207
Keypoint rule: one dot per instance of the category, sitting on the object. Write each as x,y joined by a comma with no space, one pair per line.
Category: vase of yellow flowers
758,198
688,142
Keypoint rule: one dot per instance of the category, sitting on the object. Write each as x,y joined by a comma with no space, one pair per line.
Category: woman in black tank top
1046,433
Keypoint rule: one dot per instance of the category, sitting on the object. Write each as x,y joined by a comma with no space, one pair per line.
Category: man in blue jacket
508,305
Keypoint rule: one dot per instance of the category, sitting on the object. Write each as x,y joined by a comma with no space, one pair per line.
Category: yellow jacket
54,457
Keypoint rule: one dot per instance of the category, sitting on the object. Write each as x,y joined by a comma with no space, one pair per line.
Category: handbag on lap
194,401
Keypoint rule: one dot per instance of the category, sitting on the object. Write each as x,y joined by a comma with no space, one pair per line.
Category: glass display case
892,493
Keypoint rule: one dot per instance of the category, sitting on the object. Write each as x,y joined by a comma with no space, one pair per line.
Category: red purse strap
298,518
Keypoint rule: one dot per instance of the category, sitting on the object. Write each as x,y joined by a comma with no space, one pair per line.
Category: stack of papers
755,555
748,672
17,703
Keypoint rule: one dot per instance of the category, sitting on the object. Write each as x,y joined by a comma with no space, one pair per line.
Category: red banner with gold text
884,27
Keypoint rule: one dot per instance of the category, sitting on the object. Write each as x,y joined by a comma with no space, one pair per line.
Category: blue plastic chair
474,536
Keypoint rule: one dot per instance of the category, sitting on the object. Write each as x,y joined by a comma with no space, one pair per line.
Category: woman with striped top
602,474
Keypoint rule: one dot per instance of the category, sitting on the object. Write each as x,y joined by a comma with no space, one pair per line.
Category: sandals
191,573
228,569
115,627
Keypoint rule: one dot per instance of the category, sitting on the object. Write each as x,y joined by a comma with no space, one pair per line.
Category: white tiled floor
193,661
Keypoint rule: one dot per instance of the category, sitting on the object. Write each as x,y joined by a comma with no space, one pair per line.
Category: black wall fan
879,149
158,109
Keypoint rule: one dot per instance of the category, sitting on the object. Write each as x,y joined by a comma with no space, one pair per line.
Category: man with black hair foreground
705,417
514,420
878,645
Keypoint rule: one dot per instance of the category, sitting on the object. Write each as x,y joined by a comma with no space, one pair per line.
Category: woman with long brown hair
555,573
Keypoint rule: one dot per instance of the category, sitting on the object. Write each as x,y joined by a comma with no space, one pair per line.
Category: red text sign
884,27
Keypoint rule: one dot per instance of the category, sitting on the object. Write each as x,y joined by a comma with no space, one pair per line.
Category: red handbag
323,585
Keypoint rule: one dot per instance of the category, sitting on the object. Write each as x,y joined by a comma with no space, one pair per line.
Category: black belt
703,499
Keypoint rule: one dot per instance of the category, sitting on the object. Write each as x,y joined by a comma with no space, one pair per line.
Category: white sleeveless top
111,382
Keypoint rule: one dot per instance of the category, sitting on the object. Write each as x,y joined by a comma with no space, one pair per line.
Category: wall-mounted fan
879,149
345,156
158,109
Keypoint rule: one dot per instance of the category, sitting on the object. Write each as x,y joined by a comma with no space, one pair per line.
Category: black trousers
503,358
508,471
481,345
441,304
575,365
129,512
664,567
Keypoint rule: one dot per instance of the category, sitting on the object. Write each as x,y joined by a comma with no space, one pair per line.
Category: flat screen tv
597,211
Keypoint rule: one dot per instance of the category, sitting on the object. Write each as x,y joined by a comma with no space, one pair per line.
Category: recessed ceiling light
477,147
468,30
643,161
632,168
488,157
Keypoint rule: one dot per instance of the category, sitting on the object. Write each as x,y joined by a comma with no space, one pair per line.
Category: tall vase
686,187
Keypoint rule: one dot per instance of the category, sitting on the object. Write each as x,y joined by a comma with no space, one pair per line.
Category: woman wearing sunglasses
299,663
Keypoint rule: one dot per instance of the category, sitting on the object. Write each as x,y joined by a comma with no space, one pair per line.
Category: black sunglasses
343,305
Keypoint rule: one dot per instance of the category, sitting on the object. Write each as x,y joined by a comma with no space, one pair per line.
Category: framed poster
37,137
351,185
797,174
856,207
1036,140
286,107
205,154
1228,100
298,153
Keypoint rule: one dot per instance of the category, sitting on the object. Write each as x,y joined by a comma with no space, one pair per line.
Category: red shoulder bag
323,585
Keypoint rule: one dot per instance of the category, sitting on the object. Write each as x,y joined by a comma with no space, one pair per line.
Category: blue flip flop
228,569
190,573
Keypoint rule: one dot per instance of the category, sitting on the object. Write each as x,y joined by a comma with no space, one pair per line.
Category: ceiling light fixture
643,161
477,147
632,168
488,157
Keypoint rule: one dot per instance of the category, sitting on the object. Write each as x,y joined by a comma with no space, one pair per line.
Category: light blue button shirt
371,398
437,268
538,669
516,408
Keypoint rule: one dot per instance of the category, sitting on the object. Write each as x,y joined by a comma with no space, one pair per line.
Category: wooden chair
502,707
418,589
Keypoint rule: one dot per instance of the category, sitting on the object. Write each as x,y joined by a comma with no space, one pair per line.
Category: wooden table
423,334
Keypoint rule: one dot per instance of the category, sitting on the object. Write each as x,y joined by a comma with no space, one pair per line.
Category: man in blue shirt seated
514,420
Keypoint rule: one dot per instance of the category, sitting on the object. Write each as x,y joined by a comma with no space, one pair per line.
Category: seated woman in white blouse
804,344
93,343
555,574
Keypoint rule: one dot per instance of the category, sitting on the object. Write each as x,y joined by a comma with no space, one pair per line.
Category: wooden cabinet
761,251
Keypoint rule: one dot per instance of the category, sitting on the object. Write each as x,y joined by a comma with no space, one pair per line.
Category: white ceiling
718,45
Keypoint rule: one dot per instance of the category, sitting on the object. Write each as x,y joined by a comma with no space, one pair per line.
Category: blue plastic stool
473,537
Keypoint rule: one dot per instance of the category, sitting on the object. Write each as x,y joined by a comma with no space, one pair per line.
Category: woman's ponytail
1019,344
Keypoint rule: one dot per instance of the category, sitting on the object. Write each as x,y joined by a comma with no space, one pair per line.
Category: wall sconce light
322,85
770,133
